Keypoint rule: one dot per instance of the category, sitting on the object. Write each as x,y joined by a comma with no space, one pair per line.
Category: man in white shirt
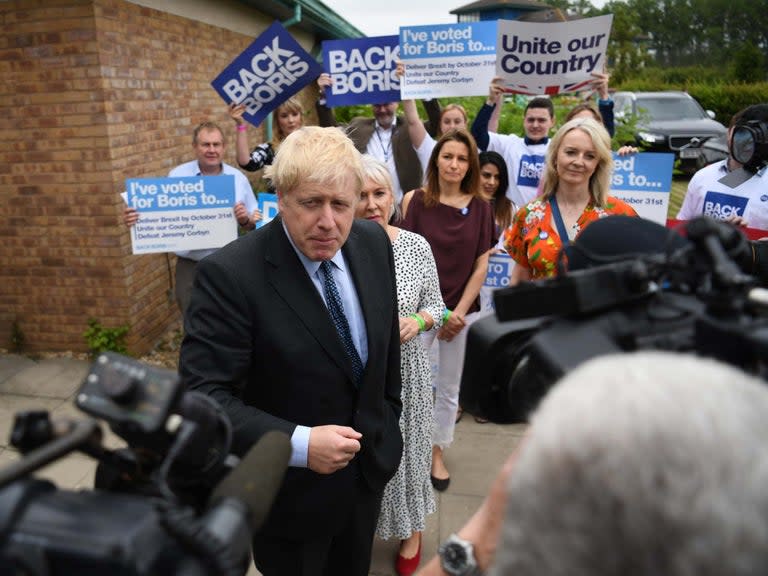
524,156
208,144
744,205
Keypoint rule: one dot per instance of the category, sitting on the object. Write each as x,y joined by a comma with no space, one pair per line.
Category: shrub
100,339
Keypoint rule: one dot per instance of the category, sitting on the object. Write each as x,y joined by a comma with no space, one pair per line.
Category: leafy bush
100,339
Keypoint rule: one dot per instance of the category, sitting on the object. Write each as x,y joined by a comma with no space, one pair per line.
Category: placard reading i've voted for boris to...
186,213
448,59
644,181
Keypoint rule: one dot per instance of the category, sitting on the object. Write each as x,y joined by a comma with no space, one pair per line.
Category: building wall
94,92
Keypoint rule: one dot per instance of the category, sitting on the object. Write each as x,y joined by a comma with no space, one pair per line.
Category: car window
669,108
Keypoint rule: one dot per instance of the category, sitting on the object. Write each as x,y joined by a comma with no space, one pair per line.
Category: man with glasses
209,146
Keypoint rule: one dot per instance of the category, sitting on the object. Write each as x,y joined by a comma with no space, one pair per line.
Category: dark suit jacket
259,339
407,165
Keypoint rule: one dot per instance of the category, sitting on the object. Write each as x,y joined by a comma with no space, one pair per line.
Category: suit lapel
291,282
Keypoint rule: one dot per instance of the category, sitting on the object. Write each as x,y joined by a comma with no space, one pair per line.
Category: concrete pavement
474,458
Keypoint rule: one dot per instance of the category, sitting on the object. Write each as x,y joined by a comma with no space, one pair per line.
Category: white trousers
449,359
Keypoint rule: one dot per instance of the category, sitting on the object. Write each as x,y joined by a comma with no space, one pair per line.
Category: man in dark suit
261,340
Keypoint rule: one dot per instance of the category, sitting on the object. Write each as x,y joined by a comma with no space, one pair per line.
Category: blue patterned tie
335,307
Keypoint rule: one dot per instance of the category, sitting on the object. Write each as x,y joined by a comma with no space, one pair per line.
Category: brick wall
94,92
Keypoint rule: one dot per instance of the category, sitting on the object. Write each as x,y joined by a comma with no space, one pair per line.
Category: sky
384,17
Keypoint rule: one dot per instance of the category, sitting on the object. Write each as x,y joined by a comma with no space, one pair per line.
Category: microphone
221,539
255,481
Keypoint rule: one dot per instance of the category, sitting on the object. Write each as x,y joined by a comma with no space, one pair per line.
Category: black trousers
346,552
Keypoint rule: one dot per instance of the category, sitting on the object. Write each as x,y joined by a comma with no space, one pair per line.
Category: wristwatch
457,557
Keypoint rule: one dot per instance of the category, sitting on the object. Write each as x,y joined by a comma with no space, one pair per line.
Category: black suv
671,122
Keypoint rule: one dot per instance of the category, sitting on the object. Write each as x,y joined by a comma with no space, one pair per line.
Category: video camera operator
744,200
174,501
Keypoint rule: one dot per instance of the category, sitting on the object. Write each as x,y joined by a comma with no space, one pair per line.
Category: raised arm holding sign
271,70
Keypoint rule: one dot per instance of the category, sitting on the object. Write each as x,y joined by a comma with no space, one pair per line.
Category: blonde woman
577,178
286,119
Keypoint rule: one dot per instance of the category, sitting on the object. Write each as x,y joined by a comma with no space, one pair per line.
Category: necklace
571,212
388,147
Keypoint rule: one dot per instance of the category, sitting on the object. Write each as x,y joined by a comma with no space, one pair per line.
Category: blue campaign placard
268,206
182,213
448,59
363,70
271,70
443,40
180,193
500,267
644,181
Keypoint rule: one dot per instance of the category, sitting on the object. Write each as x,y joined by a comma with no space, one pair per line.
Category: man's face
209,150
537,123
385,113
319,216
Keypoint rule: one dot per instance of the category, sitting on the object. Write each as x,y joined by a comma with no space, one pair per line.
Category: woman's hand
451,327
409,329
236,112
323,81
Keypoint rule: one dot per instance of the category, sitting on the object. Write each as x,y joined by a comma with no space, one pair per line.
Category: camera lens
743,144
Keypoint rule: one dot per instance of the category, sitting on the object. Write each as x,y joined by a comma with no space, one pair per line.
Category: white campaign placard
447,59
552,57
183,213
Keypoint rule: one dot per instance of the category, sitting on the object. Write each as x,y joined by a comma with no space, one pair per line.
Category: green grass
679,186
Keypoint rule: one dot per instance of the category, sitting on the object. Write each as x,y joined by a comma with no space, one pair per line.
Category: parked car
673,122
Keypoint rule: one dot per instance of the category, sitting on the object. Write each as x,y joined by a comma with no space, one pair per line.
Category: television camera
631,285
173,501
749,145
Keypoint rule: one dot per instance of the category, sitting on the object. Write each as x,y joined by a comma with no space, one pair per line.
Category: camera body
169,503
749,144
692,297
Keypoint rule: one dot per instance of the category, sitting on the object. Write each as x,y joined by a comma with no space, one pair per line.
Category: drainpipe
295,19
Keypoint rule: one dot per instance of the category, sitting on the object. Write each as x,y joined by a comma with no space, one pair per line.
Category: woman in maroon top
450,213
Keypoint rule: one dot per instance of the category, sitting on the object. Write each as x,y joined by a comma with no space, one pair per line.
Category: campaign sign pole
644,181
363,70
448,59
271,70
183,213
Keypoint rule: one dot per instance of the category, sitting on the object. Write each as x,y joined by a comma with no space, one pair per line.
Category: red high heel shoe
407,566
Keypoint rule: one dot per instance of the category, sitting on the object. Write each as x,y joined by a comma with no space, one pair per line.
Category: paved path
474,458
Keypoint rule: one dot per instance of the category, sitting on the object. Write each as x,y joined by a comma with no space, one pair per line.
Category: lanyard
559,224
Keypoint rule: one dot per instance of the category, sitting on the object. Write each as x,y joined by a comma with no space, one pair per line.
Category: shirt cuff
299,447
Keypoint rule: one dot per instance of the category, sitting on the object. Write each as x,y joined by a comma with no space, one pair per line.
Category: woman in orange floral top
577,179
